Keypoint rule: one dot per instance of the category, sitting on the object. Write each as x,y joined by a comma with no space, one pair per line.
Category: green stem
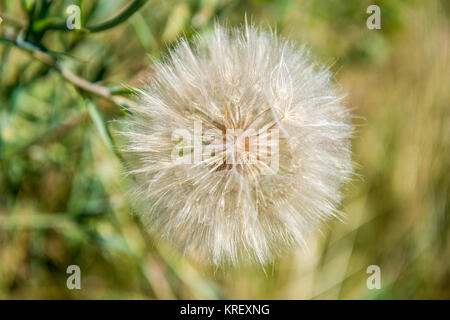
108,24
121,17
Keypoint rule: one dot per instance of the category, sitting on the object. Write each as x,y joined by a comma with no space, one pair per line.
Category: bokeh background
63,194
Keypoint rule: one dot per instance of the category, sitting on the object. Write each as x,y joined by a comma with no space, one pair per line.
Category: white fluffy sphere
242,145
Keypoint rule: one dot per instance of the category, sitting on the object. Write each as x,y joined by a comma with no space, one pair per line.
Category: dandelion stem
79,82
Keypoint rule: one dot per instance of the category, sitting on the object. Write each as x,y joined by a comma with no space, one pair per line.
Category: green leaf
100,124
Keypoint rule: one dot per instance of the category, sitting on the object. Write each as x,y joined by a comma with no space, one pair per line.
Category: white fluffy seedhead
242,145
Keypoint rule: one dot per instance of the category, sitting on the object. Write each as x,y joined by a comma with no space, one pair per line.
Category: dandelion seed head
273,152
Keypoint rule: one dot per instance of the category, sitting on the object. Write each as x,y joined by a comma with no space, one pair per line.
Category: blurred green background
63,195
